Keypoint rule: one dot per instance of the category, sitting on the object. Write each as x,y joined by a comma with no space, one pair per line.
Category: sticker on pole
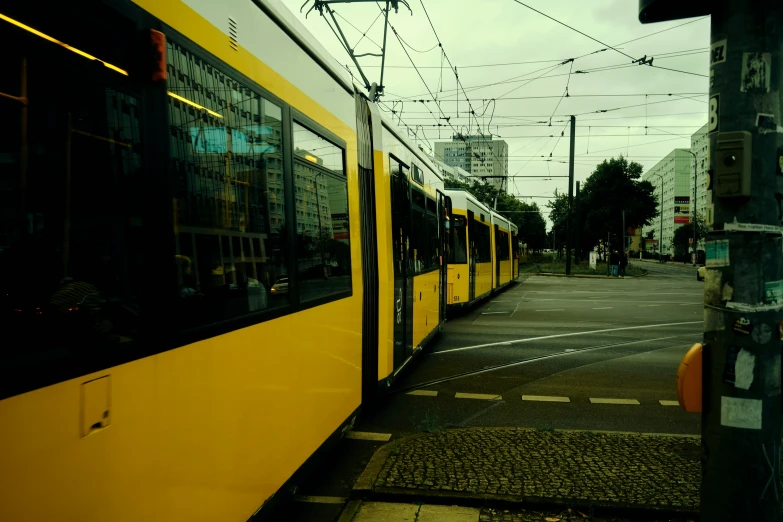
717,253
714,113
773,291
718,52
756,72
740,413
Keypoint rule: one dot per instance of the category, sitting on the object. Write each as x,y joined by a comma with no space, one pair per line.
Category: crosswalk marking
613,401
480,396
424,393
669,403
545,398
366,435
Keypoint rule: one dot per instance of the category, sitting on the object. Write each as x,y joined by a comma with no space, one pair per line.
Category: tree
527,217
558,214
613,187
681,242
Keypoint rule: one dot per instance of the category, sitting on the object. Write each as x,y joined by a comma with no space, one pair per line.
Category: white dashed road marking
366,435
424,393
613,401
480,396
604,308
552,310
669,403
545,398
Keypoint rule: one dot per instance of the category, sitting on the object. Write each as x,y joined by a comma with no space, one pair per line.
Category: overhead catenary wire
574,29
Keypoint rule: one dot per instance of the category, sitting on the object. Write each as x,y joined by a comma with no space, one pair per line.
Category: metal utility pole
569,241
693,203
660,210
625,246
743,294
577,242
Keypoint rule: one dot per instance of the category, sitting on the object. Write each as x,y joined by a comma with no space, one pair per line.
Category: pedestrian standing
614,260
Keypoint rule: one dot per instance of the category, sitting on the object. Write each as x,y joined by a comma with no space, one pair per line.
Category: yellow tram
483,250
213,251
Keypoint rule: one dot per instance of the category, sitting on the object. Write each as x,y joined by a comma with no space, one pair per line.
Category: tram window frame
501,240
88,305
319,131
418,233
289,115
227,75
483,242
458,228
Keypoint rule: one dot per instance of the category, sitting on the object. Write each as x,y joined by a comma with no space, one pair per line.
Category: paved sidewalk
615,473
412,512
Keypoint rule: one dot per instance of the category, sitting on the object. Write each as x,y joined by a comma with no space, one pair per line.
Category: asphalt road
548,353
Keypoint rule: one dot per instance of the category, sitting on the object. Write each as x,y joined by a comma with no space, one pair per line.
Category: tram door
444,217
471,257
403,262
497,256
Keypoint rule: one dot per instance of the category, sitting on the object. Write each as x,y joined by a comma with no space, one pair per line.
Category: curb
364,490
584,276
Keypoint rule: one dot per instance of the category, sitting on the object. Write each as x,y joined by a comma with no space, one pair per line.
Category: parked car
701,272
280,287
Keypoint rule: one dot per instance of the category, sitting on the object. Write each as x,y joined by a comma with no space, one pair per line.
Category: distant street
549,353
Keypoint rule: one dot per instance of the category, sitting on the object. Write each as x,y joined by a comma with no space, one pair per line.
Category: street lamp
695,161
660,239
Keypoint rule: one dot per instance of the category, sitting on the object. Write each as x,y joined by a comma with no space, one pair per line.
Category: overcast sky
502,31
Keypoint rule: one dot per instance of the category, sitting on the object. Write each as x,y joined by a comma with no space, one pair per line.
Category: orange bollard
689,385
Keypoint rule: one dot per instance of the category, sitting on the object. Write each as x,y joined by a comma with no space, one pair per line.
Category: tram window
482,244
419,246
71,240
228,194
433,241
458,252
323,238
502,243
514,246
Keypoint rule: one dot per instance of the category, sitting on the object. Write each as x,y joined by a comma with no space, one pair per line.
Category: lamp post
693,203
660,239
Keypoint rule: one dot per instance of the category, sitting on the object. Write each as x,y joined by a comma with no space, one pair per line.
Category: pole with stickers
743,293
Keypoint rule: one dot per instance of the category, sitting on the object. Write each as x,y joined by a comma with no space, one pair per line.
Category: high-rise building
479,155
673,172
699,144
455,173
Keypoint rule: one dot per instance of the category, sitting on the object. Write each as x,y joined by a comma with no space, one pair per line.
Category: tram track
529,360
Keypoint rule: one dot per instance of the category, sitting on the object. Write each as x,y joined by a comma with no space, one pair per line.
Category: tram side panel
235,351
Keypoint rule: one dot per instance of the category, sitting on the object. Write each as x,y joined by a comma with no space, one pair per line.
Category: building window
231,256
324,252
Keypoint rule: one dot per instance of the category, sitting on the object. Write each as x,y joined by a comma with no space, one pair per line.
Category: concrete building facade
455,173
478,155
699,145
674,170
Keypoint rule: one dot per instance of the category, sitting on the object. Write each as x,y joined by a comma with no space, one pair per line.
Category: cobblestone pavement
569,468
526,515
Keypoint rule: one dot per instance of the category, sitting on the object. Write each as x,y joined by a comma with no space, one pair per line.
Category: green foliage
558,212
527,217
681,243
614,186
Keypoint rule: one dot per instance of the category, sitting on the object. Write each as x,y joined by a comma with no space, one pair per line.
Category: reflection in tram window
229,202
70,246
458,251
321,195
